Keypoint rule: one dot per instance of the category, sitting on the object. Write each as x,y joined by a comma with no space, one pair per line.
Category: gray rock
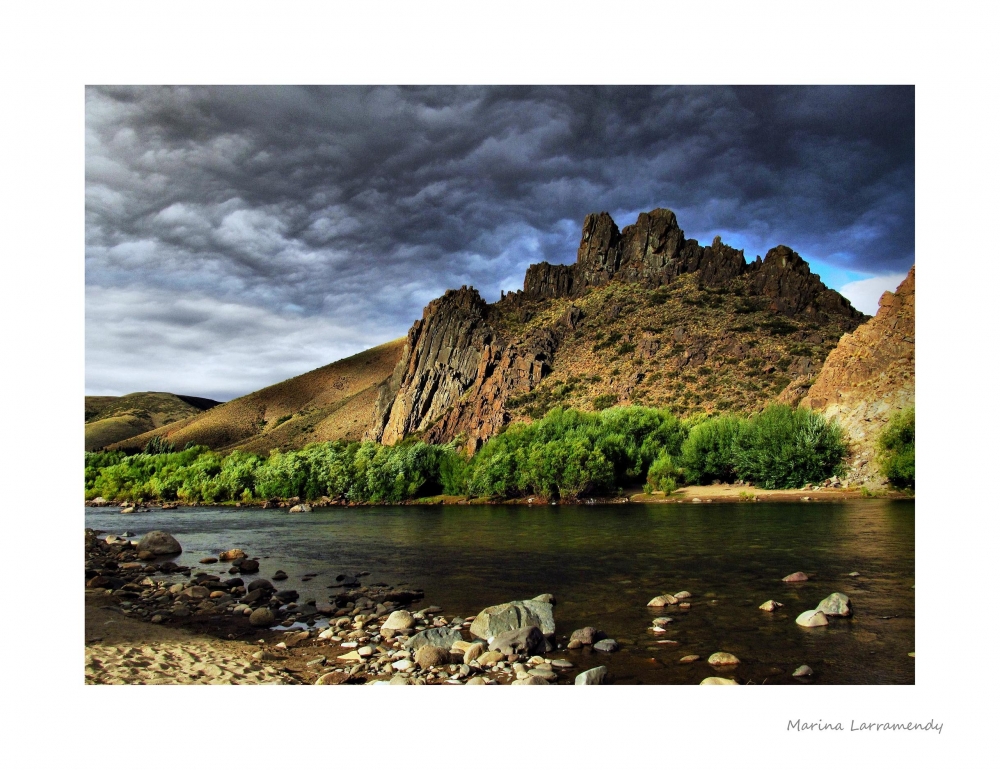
159,543
606,645
260,583
723,659
511,616
592,676
546,598
262,617
770,605
436,637
795,577
302,508
836,604
522,641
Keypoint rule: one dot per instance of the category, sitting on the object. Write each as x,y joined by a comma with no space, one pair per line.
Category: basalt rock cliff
869,377
643,316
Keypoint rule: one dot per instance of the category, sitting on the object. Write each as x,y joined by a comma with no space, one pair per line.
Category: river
603,564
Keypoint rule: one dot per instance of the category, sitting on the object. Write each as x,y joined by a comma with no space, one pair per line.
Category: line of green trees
566,454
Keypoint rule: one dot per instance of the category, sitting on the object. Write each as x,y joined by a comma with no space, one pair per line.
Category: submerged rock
717,680
663,601
803,671
606,645
770,605
722,659
795,577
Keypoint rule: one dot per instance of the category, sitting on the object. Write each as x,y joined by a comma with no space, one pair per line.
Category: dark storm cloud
220,219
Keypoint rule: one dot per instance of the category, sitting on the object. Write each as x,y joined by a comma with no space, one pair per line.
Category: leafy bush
783,448
709,451
897,450
664,474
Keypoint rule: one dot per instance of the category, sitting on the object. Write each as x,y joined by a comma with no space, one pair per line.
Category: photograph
499,384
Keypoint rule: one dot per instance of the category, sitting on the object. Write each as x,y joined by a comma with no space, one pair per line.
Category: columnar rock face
870,376
456,373
465,359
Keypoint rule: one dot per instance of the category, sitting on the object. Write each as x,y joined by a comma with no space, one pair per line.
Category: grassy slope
110,419
749,354
332,402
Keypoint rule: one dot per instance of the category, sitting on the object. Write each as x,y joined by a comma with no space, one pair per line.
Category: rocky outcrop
457,372
654,252
869,377
464,360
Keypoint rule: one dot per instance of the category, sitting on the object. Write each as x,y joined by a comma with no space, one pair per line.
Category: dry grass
329,403
111,419
680,347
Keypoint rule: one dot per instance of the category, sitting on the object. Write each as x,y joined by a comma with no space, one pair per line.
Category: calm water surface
603,564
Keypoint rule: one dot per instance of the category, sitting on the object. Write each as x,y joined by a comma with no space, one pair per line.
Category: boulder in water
159,543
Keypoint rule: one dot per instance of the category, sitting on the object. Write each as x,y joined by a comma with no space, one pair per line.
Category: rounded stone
811,619
795,577
428,656
262,617
159,543
803,671
717,680
723,659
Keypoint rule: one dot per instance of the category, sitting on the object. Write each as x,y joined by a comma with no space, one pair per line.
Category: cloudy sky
237,236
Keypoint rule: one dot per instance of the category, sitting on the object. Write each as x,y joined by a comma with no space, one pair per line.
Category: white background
51,51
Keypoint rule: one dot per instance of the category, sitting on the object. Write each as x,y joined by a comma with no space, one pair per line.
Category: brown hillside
110,419
332,402
870,376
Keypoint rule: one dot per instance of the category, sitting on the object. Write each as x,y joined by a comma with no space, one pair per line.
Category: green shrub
782,448
709,451
897,449
664,474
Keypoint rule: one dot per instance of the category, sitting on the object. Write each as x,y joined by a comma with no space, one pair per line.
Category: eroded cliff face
456,373
869,377
465,359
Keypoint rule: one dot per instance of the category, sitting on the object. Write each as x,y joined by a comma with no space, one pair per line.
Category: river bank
339,573
718,493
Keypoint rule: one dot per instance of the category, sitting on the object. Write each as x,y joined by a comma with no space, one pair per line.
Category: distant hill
326,404
110,419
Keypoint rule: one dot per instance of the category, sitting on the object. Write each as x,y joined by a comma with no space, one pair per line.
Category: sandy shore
732,493
122,650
